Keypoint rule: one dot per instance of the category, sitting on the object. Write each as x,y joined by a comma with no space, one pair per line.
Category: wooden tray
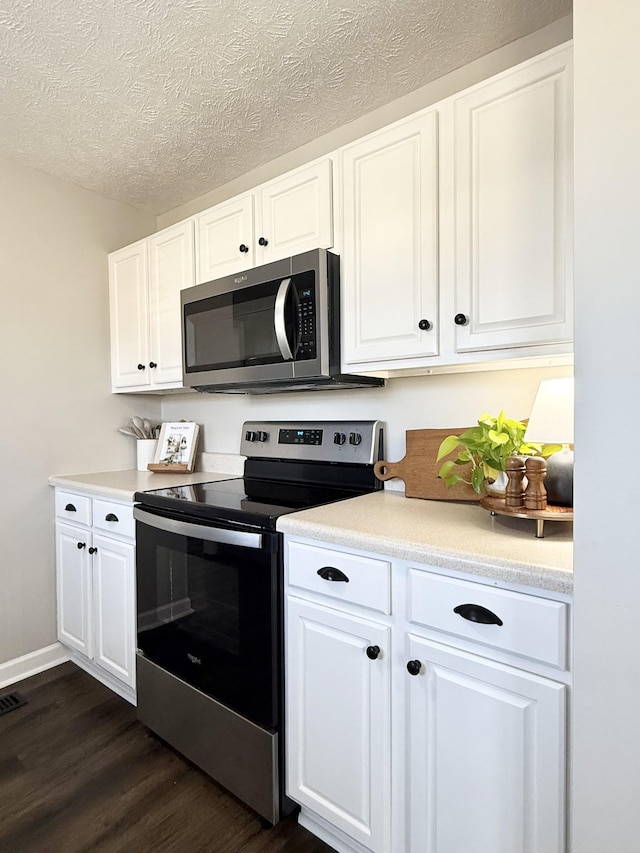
497,506
419,468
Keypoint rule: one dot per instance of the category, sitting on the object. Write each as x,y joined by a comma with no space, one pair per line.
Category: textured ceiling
154,102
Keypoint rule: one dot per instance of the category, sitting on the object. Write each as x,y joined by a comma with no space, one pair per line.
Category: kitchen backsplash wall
451,400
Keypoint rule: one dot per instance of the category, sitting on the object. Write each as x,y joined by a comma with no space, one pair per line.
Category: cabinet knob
263,241
141,367
244,249
152,364
373,652
461,319
424,325
70,508
110,516
477,613
413,667
330,573
81,545
92,550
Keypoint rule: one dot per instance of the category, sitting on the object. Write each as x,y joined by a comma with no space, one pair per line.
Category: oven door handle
199,531
279,319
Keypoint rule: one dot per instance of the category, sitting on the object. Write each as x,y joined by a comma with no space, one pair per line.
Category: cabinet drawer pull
477,613
111,517
92,550
330,573
414,667
263,241
70,508
81,545
373,652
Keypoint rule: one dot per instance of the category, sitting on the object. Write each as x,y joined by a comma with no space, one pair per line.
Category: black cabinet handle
263,241
461,319
244,249
477,613
413,667
424,325
373,652
70,508
81,545
92,550
152,364
111,517
141,367
329,573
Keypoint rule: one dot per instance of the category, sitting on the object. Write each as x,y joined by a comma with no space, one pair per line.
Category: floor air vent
11,701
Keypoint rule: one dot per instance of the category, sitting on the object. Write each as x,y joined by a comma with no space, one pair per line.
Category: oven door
208,605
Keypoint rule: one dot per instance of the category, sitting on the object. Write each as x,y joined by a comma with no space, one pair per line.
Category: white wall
58,415
453,400
606,698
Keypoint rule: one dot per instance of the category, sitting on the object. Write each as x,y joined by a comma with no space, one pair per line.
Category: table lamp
551,422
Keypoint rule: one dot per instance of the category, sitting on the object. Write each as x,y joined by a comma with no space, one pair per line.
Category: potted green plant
485,448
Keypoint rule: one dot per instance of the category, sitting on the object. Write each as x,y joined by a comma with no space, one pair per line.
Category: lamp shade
551,419
551,422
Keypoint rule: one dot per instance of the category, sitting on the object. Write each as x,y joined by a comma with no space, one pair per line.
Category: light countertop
461,537
122,485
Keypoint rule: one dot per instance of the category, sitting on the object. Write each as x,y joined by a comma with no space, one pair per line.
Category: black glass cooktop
244,500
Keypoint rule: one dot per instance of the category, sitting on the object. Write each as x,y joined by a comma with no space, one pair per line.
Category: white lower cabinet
339,719
95,582
427,716
485,753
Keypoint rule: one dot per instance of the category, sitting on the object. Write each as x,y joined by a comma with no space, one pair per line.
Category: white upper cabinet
129,311
225,239
145,281
457,228
283,217
513,226
390,254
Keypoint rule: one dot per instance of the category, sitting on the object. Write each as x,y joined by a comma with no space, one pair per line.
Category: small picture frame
176,451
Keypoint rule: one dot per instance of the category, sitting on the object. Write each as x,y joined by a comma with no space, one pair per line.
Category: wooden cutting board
419,468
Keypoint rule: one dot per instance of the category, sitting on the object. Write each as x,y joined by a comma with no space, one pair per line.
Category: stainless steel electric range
209,568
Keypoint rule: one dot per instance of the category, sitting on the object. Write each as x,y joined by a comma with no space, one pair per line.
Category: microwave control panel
306,319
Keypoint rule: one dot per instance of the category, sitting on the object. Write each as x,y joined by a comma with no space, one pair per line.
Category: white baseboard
31,664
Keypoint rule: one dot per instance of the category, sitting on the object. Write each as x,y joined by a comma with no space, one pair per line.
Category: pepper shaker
535,495
515,469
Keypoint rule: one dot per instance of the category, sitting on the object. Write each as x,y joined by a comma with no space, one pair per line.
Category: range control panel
322,441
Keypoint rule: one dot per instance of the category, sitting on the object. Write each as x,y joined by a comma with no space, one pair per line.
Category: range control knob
339,438
355,438
249,435
262,435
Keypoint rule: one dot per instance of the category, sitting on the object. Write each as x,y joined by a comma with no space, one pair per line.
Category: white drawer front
74,508
114,517
533,627
369,580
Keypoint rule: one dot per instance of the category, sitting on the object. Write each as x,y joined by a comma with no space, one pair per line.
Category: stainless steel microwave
268,329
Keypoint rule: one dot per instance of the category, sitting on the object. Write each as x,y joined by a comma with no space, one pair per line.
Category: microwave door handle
279,319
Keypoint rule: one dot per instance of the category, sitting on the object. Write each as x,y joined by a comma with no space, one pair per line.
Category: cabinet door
513,177
486,753
225,239
338,713
171,269
129,312
114,607
73,587
390,258
294,214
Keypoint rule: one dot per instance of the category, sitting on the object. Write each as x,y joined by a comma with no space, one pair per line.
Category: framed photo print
176,449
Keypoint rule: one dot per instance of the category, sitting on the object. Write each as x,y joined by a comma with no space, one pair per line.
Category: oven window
209,614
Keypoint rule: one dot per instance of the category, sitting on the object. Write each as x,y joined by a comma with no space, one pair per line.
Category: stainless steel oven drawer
240,755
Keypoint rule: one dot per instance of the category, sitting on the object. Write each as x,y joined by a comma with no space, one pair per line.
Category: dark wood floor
79,774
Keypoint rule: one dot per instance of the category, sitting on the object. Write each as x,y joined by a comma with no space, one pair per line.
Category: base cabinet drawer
513,622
